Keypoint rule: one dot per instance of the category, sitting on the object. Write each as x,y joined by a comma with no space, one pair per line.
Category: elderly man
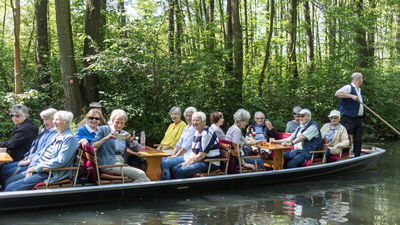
307,137
263,130
353,111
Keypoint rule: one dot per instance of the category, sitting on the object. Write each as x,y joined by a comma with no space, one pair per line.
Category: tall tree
42,43
171,26
292,36
73,96
92,43
309,37
261,79
17,51
237,38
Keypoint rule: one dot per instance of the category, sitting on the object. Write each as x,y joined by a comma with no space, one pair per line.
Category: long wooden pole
381,118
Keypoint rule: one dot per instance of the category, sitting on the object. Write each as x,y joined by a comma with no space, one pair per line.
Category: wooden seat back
91,165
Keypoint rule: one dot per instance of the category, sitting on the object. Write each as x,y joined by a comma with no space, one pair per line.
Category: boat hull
51,198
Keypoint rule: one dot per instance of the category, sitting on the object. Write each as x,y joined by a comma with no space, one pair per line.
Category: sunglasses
93,118
302,116
15,115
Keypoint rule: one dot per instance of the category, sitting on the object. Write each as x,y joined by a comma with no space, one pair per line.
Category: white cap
334,113
305,111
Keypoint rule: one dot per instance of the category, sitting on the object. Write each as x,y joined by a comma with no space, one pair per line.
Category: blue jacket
106,152
83,132
348,106
63,155
41,141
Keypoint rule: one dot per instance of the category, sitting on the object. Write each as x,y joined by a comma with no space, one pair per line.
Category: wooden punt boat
63,197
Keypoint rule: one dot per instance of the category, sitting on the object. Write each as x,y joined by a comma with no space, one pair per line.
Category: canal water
367,197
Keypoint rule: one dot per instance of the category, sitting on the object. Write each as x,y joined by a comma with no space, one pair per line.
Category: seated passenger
59,152
234,134
174,130
307,137
23,133
46,134
293,124
184,146
263,130
89,126
204,146
217,119
335,133
112,151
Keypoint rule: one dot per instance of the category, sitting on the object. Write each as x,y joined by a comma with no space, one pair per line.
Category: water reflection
367,197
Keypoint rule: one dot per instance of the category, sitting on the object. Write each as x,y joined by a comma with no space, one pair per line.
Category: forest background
216,55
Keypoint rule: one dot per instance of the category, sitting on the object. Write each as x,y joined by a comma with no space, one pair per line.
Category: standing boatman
353,111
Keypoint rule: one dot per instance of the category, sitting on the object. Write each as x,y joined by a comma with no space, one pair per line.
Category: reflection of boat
126,192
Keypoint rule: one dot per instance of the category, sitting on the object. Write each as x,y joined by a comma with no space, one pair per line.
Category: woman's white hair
48,113
190,109
241,115
176,109
200,115
65,116
115,113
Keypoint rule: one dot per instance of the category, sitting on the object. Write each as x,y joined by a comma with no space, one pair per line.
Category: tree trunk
121,12
92,41
42,43
262,77
238,51
361,39
397,42
309,37
292,56
171,26
17,51
73,97
178,31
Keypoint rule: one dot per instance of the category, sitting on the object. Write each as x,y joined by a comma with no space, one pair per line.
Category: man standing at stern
353,111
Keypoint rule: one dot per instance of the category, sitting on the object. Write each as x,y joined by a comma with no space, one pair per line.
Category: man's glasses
93,118
302,116
15,115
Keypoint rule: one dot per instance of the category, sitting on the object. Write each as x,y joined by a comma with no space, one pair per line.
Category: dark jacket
348,106
21,140
267,132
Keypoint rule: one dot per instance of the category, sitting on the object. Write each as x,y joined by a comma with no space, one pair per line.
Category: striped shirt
207,142
47,154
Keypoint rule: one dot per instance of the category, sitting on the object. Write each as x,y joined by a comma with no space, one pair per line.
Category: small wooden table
153,158
278,161
6,159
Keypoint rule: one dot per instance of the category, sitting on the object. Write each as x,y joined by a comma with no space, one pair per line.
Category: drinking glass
272,140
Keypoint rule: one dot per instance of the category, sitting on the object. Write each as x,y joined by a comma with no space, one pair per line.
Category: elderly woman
59,152
112,151
335,133
184,146
293,124
23,133
217,119
234,134
204,145
46,134
90,125
174,130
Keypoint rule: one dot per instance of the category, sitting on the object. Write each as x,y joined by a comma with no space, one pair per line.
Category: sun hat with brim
334,113
305,111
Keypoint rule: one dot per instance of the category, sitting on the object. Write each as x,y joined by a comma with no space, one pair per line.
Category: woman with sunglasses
89,126
23,133
292,125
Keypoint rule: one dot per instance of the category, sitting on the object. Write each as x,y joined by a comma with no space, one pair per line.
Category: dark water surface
368,197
